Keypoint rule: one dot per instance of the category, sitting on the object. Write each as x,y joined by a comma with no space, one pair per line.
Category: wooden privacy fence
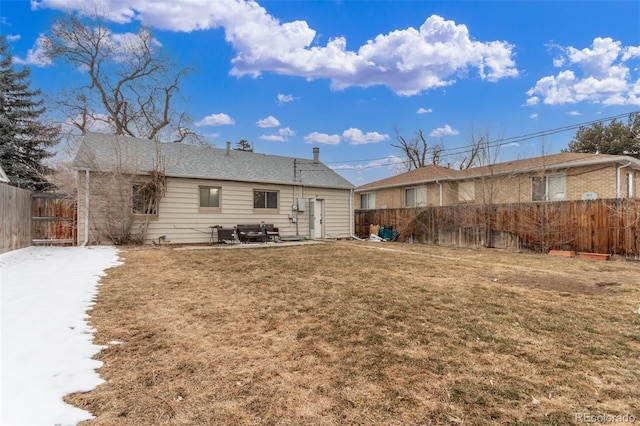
15,218
53,219
598,226
28,218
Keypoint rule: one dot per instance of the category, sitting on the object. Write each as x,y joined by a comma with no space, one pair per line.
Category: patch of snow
46,344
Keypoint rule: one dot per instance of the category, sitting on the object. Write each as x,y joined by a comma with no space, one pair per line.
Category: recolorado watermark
605,418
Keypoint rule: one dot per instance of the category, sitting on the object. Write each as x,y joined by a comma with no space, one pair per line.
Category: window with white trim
548,188
415,197
466,192
209,197
368,200
265,199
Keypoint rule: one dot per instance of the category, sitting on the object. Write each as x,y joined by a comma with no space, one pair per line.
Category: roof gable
428,173
102,152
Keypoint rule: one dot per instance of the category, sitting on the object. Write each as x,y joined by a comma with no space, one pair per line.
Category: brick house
557,177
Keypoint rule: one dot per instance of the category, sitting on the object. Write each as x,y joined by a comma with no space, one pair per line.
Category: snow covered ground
45,341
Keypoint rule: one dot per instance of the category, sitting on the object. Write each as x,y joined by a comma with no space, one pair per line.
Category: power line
447,152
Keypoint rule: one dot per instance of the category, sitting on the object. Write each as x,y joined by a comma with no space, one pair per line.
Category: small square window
209,197
368,201
265,199
547,188
141,202
410,197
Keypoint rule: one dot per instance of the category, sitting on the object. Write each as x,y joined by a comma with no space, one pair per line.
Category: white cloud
534,100
392,162
355,136
13,37
575,113
283,99
221,119
322,138
37,55
270,121
122,47
407,61
444,131
125,46
281,136
271,138
210,136
424,111
286,132
533,116
599,74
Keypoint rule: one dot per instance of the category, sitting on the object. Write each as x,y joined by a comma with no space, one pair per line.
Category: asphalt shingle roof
104,152
433,173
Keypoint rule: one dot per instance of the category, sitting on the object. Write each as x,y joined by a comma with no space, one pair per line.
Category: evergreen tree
614,138
243,145
24,139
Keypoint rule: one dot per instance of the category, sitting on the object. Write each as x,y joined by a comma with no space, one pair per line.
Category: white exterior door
316,208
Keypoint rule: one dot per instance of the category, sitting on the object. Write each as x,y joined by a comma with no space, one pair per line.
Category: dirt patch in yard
558,283
359,333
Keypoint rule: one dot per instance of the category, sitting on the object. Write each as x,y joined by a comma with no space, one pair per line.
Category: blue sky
344,75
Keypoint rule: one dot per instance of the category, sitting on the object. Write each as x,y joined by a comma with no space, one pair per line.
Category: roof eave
565,165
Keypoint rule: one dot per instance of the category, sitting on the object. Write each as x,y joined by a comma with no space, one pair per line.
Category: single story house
556,177
204,187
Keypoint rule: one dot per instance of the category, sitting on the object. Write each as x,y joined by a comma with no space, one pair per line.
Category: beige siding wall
181,220
337,214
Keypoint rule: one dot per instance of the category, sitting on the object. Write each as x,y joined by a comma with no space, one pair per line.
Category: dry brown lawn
364,333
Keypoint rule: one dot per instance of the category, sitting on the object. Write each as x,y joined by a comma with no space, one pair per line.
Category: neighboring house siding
598,179
389,197
517,187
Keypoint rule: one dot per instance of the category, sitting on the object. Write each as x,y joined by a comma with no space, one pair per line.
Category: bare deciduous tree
130,88
417,150
482,149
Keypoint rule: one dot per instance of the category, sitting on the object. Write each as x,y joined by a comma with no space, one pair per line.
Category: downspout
440,185
619,181
351,221
351,213
86,208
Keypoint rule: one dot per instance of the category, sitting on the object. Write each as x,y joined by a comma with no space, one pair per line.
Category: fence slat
15,218
53,219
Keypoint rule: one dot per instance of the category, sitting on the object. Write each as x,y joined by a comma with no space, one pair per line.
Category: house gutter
509,172
351,214
86,208
618,180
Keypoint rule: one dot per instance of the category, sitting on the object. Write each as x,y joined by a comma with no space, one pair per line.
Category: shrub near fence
15,218
598,226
